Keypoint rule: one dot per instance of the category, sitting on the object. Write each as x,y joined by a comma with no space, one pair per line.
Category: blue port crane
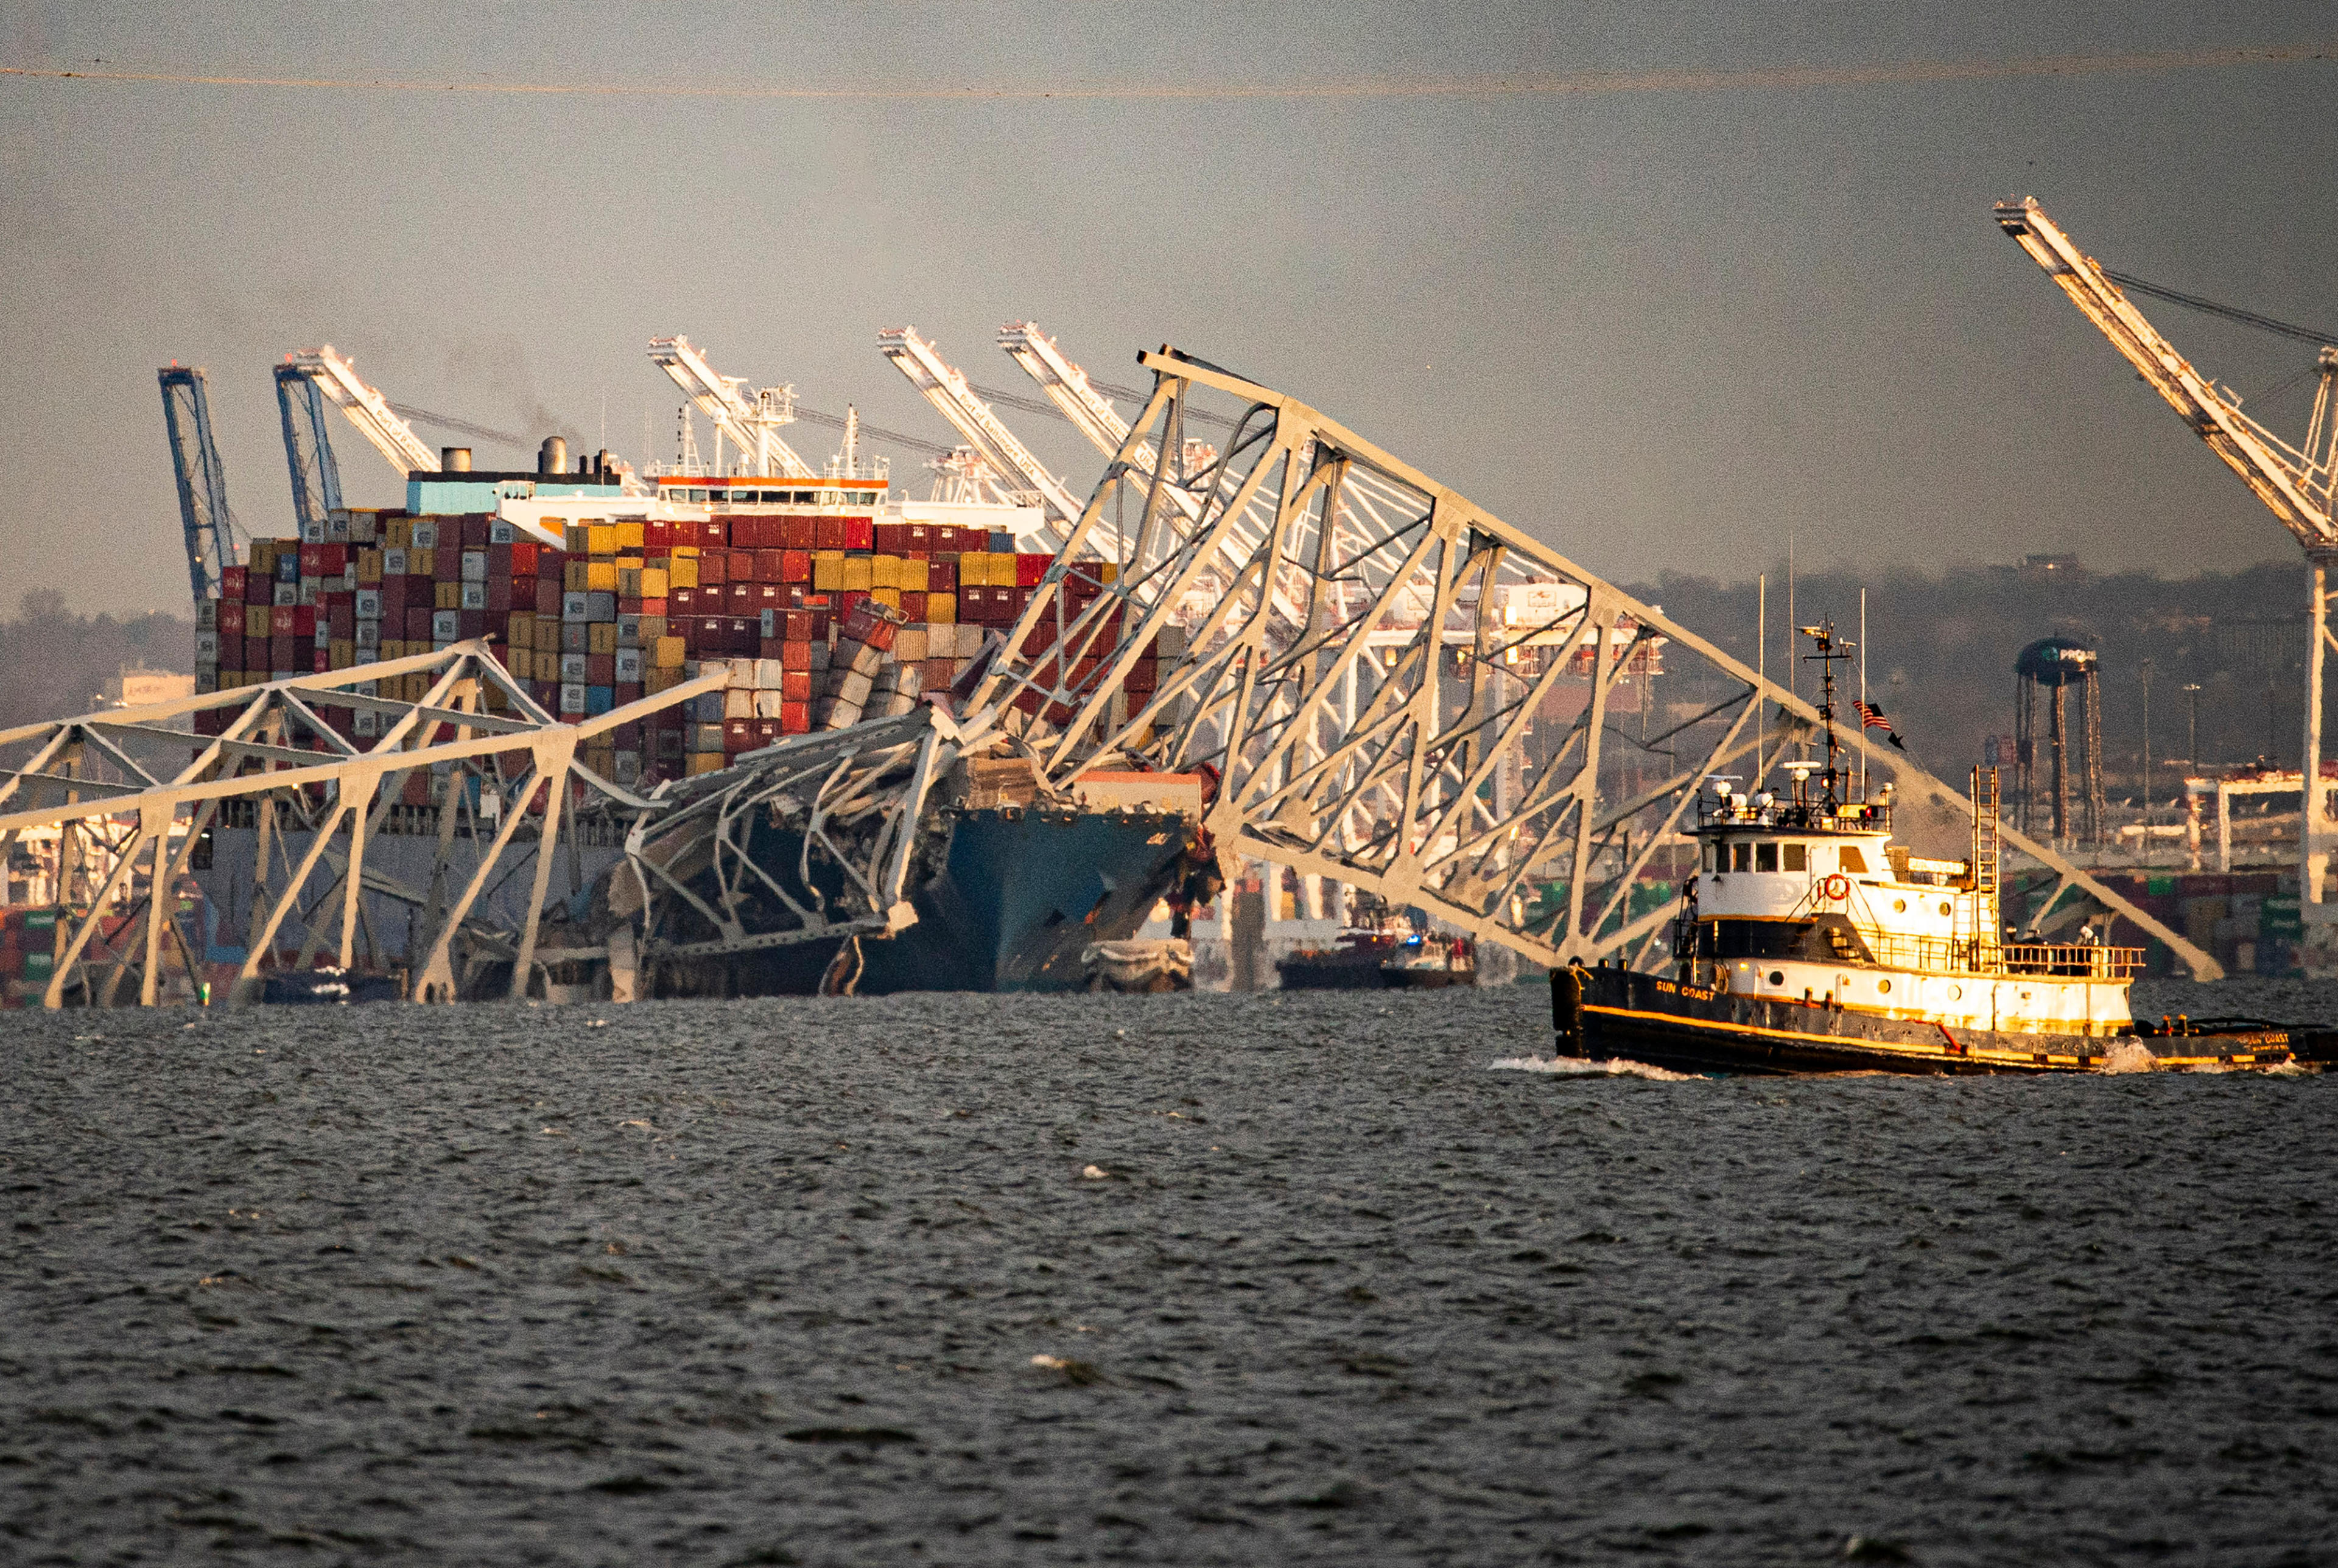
203,479
308,450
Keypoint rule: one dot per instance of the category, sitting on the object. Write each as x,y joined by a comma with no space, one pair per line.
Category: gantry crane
368,409
202,477
949,393
308,450
2294,482
750,416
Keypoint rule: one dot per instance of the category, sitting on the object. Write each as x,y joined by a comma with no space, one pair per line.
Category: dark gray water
764,1283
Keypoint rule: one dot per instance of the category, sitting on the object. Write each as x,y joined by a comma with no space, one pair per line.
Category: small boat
1384,950
1809,942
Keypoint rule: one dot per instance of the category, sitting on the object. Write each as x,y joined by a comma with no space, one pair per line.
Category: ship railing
1972,956
1813,816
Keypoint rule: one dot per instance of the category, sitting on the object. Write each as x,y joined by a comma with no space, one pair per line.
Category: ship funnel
455,459
552,457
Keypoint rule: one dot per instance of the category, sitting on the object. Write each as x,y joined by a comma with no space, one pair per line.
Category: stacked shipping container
822,619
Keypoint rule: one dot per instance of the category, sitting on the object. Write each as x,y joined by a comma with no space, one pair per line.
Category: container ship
824,602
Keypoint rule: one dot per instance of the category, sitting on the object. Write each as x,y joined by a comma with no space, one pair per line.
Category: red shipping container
653,606
767,730
231,620
682,602
795,718
770,566
552,562
233,581
255,655
827,533
499,594
795,565
796,654
743,635
524,554
320,662
418,623
891,539
475,530
472,622
860,533
714,569
740,567
797,625
499,563
941,576
1030,571
918,539
799,533
258,589
281,653
341,621
739,598
846,600
286,621
713,533
547,596
600,669
738,735
312,559
973,603
795,685
657,532
447,564
913,605
939,673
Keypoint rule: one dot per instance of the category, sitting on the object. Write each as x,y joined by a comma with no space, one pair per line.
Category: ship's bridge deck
1740,813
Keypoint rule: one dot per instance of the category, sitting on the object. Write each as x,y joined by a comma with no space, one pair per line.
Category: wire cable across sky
1523,83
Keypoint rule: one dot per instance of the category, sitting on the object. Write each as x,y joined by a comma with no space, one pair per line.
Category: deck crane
949,392
202,478
308,450
368,409
750,416
2295,482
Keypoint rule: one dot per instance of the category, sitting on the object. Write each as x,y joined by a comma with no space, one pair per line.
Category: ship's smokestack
455,459
552,457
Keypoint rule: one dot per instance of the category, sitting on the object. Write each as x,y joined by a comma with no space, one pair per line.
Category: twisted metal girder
1399,691
300,776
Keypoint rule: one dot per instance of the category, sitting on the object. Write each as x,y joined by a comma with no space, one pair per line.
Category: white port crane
750,416
950,394
368,409
2294,482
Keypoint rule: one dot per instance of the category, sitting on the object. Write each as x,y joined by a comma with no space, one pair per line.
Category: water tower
2059,666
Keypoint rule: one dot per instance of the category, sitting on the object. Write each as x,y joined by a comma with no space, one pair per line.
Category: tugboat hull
1651,1018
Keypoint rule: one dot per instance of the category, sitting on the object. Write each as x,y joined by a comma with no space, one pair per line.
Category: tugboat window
1765,858
1741,857
1797,857
1777,976
1852,860
1712,858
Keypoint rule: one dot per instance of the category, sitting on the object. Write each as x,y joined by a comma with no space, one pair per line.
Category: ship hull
1657,1020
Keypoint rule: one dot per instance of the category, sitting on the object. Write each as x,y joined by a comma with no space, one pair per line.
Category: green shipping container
2278,915
39,967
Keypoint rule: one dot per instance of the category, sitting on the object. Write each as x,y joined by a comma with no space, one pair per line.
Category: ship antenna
1831,650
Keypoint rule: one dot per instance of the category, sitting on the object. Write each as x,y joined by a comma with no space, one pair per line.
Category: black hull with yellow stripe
1606,1011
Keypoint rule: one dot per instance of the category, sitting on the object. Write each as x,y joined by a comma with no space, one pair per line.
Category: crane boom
368,409
752,427
308,450
949,393
202,478
1064,383
2277,474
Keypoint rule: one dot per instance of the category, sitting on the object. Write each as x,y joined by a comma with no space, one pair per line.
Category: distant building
135,687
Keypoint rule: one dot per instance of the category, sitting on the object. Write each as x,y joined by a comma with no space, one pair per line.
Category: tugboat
1382,951
1810,943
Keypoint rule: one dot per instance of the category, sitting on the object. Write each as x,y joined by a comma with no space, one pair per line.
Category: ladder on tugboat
1987,848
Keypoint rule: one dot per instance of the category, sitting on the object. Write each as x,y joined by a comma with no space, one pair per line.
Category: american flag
1872,718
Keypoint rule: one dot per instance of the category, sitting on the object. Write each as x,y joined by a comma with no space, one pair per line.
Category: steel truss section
814,839
277,761
1398,689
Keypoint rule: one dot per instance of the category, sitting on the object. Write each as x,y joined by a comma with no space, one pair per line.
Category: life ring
1837,886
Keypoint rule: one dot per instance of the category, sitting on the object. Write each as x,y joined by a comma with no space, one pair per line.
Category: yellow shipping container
572,575
653,583
446,595
889,597
369,565
601,576
629,581
601,637
655,679
828,572
884,571
575,538
603,539
856,573
682,572
705,762
421,562
519,631
521,662
941,609
670,654
397,534
340,653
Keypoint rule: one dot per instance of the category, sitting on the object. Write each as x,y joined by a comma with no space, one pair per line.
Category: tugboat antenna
1831,650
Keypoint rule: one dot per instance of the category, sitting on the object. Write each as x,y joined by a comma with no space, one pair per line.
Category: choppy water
773,1282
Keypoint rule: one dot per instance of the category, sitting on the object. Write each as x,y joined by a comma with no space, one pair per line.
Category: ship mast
1831,650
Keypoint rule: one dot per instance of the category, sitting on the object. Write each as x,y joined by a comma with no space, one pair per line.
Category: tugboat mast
1831,650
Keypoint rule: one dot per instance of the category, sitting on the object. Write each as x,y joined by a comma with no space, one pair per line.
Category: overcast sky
1660,325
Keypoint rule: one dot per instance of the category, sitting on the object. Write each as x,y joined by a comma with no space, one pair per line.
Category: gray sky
1659,326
